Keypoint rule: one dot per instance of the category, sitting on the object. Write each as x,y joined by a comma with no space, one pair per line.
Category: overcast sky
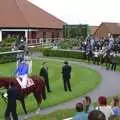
91,12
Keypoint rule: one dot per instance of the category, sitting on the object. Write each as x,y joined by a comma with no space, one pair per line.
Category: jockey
22,72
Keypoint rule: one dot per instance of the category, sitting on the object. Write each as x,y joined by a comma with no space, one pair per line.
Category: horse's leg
23,105
38,98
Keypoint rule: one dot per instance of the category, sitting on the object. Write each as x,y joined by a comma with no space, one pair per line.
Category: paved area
110,86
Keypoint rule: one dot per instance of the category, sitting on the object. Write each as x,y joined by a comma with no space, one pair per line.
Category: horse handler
11,104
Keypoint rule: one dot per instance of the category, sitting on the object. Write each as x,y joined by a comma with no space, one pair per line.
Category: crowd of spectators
95,44
104,50
101,111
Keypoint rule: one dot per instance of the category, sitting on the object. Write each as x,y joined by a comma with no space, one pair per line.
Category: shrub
7,42
69,43
64,53
4,49
8,57
10,40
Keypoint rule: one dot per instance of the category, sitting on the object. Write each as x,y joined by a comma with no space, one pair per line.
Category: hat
21,59
102,100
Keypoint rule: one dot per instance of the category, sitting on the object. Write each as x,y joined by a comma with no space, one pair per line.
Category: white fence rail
41,41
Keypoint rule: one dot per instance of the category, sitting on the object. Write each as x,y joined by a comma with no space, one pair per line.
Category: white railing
43,42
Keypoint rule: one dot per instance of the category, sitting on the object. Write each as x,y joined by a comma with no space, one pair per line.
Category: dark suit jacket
44,73
66,71
12,96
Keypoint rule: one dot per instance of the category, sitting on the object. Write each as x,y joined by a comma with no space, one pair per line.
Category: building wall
47,35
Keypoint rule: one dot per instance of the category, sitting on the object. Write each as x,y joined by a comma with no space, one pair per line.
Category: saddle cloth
29,82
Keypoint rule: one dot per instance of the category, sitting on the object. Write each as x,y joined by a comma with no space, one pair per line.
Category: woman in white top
103,107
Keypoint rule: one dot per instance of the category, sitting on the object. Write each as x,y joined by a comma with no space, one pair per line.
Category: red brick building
24,18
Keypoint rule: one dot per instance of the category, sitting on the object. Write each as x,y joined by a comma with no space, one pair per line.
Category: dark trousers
113,67
96,60
47,86
11,110
67,85
107,66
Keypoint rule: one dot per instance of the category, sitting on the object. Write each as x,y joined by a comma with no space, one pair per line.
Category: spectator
81,115
11,106
87,104
28,61
66,73
116,106
44,74
96,115
103,107
114,62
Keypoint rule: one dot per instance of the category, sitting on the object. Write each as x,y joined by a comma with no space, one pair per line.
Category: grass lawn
82,81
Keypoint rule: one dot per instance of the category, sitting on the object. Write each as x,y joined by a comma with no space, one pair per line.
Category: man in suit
11,104
44,74
66,74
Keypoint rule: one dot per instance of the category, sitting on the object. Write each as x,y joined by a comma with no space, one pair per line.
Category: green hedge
6,57
64,53
67,54
5,49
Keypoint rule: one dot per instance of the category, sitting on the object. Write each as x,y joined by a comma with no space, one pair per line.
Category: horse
38,89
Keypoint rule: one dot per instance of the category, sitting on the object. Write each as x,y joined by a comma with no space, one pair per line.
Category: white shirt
107,110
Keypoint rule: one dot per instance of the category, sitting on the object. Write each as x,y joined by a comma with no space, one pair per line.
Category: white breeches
23,83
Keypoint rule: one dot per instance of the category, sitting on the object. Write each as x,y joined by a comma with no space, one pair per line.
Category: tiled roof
23,14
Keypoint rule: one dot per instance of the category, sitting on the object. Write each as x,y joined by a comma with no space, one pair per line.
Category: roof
113,28
23,14
93,29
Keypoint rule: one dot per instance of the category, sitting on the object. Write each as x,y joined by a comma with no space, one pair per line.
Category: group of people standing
103,111
102,51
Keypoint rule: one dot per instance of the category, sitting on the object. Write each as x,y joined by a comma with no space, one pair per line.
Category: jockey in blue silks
22,72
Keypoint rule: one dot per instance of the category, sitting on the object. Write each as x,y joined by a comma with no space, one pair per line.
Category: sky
91,12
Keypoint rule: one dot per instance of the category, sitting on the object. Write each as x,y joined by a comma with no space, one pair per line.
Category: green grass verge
82,81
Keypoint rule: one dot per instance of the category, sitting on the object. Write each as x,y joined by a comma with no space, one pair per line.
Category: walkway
110,86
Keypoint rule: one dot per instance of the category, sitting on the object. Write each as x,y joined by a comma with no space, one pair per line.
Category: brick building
20,17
